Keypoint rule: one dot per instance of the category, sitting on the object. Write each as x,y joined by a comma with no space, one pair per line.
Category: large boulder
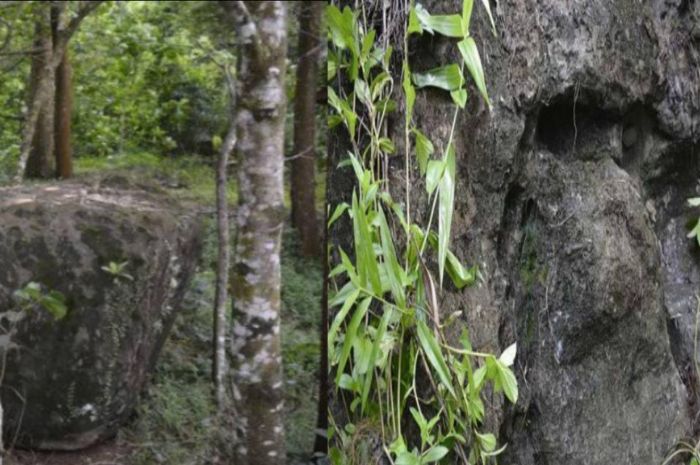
571,198
71,382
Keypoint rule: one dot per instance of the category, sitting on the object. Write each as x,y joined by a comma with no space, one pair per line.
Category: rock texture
571,198
69,383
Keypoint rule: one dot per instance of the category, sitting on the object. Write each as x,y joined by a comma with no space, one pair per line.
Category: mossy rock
72,382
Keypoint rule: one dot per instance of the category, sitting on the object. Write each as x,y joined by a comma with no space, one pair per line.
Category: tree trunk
257,361
303,166
44,91
62,119
222,274
40,119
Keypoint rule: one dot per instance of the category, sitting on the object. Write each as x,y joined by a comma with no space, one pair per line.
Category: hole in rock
569,123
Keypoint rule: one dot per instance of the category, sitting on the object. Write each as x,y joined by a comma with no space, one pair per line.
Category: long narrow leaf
350,335
470,53
379,335
445,208
447,77
340,317
434,354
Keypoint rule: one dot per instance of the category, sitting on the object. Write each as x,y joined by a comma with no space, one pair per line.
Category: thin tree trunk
222,274
39,159
62,119
256,349
321,441
46,81
303,183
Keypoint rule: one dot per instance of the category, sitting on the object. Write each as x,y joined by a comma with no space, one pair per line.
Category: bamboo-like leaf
378,337
447,25
459,97
460,275
432,351
470,53
467,6
350,335
341,27
413,22
339,210
339,297
368,270
424,149
487,7
434,172
340,317
409,91
445,208
447,77
393,268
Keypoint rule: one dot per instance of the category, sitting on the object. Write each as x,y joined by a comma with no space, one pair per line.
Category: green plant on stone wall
395,369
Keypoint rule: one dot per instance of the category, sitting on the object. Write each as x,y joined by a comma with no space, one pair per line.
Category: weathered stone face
571,198
71,382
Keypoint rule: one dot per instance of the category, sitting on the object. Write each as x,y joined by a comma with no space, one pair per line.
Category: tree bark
303,182
222,270
62,119
257,379
39,162
45,86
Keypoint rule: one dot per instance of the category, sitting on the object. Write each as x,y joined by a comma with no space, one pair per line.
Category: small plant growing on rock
116,269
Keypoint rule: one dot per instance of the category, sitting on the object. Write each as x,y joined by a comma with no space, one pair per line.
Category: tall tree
43,92
303,185
40,163
62,118
257,379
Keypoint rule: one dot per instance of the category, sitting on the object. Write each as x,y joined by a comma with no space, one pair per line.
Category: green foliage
387,333
148,76
34,295
117,270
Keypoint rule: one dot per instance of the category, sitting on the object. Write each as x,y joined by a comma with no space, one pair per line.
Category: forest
396,232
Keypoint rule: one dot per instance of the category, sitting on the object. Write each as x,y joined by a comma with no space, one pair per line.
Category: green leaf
393,269
447,25
447,77
487,441
362,92
432,351
407,458
413,22
460,275
367,267
367,42
508,355
409,91
386,145
339,210
695,232
507,381
434,173
341,27
487,7
340,317
434,454
470,53
467,6
54,303
351,334
445,208
424,149
459,97
378,337
378,84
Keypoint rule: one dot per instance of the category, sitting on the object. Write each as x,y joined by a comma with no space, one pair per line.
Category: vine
398,371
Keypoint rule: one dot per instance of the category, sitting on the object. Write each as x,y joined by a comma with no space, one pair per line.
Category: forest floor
175,423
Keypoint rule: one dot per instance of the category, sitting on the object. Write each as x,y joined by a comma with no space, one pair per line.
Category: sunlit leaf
445,208
424,149
470,53
432,351
447,77
350,335
447,25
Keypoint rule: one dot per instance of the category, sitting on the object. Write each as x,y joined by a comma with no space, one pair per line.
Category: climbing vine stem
399,376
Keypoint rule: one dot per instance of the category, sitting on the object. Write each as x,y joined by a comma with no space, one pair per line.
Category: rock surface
71,382
571,199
